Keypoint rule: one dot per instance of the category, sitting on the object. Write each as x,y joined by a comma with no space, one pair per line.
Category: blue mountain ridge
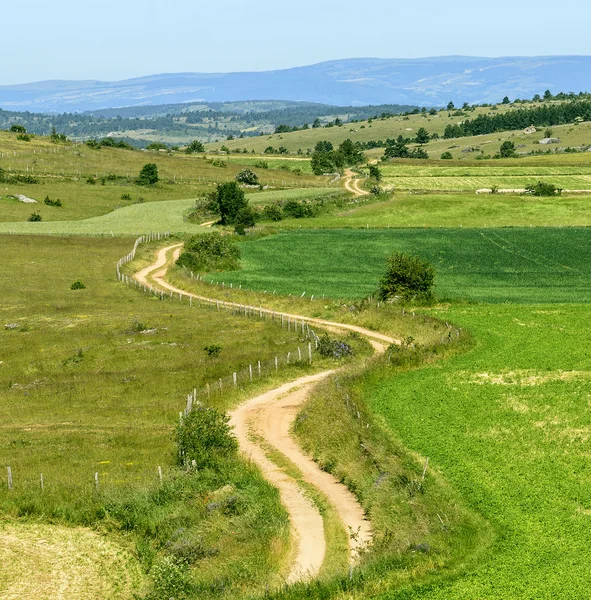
430,81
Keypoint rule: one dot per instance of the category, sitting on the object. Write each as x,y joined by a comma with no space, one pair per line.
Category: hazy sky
69,39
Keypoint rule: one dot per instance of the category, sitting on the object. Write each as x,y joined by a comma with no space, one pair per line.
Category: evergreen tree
422,136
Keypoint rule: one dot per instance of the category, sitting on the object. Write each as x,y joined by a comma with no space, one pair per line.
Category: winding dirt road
352,184
270,416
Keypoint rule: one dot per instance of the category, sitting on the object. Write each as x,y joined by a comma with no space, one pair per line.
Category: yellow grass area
54,562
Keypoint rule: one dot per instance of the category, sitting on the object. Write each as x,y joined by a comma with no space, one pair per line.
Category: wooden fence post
9,470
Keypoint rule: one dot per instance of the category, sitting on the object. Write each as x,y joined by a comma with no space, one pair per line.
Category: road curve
271,416
352,184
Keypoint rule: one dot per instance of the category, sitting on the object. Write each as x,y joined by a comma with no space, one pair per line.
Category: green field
489,265
514,443
164,216
455,210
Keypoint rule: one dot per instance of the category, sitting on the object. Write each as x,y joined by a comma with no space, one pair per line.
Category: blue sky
67,39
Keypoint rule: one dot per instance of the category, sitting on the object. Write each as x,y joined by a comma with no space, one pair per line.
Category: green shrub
333,348
49,202
35,217
18,129
91,180
407,277
247,177
245,219
148,175
194,147
23,137
447,156
210,252
204,436
298,210
375,172
272,212
213,350
125,196
543,189
78,285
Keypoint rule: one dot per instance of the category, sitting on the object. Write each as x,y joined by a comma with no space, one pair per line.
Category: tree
194,147
157,146
351,153
397,149
227,200
18,129
247,177
148,175
422,136
450,106
507,150
316,123
407,277
506,100
323,146
548,95
446,156
322,162
245,218
375,173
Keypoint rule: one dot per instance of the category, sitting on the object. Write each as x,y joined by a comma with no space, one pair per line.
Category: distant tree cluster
545,115
325,159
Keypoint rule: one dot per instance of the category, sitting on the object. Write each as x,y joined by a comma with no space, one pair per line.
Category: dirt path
352,184
270,416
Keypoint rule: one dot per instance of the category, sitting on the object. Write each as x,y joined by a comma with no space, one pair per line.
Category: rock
24,199
550,140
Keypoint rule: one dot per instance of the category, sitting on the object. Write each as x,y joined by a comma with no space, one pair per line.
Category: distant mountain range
350,82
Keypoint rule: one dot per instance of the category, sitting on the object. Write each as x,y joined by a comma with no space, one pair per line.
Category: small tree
245,219
375,172
247,177
226,201
423,136
450,106
35,217
446,156
407,277
507,150
205,436
18,128
148,175
194,147
506,100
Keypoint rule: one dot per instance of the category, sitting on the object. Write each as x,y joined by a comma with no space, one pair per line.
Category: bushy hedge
210,252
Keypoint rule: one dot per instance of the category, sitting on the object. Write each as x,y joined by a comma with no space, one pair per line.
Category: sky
120,39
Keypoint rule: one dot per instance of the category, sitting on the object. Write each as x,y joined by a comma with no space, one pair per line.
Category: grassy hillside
91,182
464,148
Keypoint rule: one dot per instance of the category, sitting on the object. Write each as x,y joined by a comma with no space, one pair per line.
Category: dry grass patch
55,562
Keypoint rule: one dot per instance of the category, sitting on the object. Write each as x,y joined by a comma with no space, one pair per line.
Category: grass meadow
514,444
92,381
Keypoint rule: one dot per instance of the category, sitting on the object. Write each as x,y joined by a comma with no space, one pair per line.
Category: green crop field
489,265
508,425
455,210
